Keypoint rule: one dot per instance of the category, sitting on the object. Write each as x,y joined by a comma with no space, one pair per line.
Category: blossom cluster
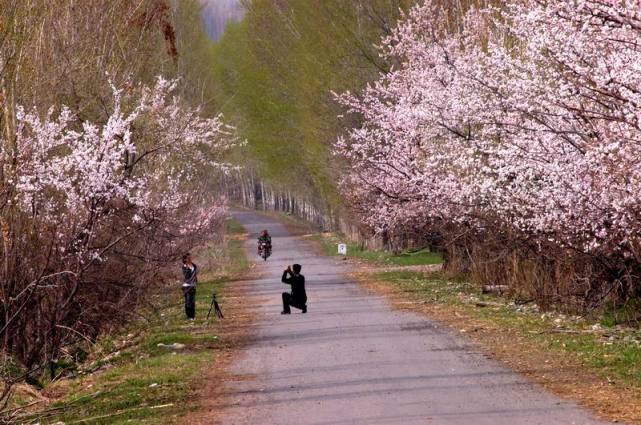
526,116
143,162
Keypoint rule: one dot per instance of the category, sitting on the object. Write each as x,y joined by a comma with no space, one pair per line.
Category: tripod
214,305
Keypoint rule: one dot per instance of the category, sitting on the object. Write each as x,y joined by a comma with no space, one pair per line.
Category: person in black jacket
190,273
297,298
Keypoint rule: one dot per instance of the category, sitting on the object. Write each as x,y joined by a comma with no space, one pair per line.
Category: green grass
613,354
233,227
142,377
627,313
235,254
147,383
330,242
238,260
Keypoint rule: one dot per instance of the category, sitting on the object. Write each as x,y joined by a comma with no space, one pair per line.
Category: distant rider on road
264,238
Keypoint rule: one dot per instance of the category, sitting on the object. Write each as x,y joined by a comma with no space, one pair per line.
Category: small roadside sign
342,249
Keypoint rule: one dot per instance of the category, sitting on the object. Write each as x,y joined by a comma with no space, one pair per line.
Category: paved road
353,360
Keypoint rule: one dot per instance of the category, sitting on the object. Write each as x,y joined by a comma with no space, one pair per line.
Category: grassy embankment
612,351
422,257
141,377
602,345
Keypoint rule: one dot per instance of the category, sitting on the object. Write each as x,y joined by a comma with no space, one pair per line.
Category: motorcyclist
266,239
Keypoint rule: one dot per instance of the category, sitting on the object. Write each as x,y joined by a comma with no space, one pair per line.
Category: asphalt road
353,360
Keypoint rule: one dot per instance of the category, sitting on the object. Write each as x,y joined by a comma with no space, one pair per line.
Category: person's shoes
285,312
304,309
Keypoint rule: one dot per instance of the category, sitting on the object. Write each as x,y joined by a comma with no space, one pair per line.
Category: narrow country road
353,360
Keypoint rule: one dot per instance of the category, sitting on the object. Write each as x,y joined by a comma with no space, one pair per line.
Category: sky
216,14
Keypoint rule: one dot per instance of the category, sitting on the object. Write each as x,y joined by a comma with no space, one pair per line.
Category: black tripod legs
214,305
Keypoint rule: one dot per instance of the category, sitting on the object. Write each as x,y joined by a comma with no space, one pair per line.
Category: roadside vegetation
612,351
594,358
496,135
111,167
149,371
417,257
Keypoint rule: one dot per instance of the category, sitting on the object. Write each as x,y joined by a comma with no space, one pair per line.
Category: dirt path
354,360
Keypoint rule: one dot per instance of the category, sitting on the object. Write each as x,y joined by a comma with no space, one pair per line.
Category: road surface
352,359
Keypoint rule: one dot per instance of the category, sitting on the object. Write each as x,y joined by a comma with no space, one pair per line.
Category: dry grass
131,377
559,371
237,330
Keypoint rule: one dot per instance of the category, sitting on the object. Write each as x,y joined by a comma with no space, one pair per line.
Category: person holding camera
297,298
190,273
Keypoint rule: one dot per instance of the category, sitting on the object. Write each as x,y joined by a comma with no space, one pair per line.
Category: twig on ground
120,412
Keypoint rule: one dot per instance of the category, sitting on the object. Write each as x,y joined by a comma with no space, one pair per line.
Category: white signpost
342,249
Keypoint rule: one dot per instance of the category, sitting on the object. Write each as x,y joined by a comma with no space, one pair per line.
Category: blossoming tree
97,210
523,120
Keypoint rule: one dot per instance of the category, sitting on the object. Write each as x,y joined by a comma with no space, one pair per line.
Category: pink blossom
526,118
146,158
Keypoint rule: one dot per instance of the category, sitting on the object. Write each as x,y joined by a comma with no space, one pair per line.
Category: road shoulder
535,350
570,356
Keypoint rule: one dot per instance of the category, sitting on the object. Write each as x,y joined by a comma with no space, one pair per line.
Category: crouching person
297,298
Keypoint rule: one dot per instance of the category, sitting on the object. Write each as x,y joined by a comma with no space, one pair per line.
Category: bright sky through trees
218,13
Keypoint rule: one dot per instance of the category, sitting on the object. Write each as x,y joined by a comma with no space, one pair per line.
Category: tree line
108,169
512,136
275,72
475,127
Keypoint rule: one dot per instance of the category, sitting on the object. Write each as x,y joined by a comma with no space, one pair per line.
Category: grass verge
150,372
330,241
572,356
613,352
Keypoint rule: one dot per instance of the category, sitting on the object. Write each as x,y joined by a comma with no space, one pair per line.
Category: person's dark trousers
190,303
289,301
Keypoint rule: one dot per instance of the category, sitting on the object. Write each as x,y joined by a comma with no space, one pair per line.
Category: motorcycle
264,250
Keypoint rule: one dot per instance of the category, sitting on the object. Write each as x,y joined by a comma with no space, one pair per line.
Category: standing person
297,298
190,273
